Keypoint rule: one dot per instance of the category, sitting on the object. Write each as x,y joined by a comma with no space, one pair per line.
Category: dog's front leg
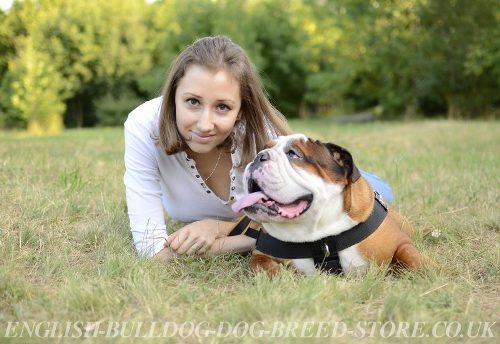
263,262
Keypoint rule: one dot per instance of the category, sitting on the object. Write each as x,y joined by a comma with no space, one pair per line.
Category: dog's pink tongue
293,209
247,201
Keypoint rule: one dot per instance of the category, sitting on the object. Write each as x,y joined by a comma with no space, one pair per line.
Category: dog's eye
292,154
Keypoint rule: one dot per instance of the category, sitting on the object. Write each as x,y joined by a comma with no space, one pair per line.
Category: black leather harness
324,252
243,227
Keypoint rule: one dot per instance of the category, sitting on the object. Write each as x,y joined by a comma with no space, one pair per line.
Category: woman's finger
177,241
186,245
195,248
169,239
202,250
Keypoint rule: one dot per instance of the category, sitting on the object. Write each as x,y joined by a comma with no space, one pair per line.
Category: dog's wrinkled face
293,178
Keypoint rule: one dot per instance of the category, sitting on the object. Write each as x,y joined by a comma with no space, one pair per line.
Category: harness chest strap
325,251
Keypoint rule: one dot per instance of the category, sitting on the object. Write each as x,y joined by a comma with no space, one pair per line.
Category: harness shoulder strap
362,230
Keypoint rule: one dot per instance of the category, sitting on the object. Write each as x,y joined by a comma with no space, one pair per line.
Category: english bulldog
305,191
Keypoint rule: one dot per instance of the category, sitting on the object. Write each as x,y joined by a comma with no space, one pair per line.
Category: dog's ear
343,162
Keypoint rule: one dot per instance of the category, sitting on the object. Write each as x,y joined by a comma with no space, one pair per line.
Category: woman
185,151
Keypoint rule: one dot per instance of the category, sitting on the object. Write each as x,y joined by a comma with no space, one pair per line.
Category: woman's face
207,104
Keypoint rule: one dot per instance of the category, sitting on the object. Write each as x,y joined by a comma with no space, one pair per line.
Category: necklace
215,167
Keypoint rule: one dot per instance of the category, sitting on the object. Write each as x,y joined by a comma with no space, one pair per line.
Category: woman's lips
202,138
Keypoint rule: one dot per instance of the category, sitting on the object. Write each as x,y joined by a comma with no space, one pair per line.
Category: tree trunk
454,110
411,110
78,111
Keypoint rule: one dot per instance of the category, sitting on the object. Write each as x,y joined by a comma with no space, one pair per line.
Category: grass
66,253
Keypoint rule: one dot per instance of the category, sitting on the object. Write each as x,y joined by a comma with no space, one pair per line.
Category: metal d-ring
326,249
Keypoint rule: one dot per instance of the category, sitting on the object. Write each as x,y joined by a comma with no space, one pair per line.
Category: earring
229,143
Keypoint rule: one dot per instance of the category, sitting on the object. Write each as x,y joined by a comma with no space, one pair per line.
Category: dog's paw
264,263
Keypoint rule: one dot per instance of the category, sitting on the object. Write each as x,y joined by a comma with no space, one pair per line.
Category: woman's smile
202,138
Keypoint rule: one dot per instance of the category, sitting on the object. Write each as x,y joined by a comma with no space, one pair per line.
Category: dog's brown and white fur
301,191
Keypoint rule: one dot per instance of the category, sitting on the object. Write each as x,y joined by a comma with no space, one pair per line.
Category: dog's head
293,179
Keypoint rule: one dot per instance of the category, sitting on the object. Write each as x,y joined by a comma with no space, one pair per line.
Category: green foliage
111,111
461,53
407,56
93,46
281,39
393,58
36,89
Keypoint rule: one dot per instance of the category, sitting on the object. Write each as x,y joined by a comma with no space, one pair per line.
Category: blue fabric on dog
378,185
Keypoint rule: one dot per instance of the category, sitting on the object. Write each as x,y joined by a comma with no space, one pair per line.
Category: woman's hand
195,238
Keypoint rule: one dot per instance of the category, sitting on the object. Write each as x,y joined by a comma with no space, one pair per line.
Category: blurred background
74,63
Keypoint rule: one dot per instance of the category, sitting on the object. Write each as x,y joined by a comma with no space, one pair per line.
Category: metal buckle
326,249
381,200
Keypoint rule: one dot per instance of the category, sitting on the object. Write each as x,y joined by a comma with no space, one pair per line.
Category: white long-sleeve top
156,182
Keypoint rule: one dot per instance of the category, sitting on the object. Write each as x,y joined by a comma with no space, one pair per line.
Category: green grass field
66,253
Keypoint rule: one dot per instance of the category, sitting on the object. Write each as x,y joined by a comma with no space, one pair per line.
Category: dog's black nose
262,156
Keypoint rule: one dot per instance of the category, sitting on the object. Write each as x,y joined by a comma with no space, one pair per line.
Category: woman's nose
205,122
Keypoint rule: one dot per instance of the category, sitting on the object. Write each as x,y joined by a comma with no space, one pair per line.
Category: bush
112,111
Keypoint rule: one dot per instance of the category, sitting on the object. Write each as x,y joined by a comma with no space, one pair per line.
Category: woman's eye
223,107
192,101
292,154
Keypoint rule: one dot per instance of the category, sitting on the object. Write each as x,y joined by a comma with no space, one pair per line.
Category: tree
95,47
36,90
459,45
280,38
